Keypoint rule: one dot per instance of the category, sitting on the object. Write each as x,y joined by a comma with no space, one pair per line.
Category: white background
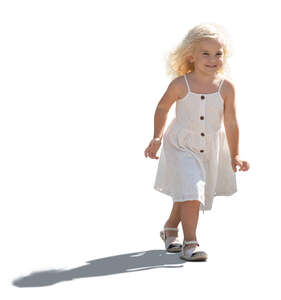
80,81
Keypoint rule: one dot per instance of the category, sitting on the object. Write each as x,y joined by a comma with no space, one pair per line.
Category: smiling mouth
210,66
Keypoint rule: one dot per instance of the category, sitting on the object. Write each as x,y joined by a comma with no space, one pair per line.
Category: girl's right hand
236,161
152,149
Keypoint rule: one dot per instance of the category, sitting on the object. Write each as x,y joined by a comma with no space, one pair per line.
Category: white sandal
197,254
172,243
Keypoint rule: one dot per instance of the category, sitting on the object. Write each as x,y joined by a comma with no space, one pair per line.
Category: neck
204,77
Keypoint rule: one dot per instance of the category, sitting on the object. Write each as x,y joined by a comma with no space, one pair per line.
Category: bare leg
174,219
189,219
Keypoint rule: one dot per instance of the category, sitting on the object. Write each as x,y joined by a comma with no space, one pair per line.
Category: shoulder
177,82
172,94
228,90
176,87
179,86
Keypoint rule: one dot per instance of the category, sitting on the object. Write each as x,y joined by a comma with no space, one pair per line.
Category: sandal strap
170,228
190,242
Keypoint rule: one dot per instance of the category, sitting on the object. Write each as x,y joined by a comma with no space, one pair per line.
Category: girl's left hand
236,161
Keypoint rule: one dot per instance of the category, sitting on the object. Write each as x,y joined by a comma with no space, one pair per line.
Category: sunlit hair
177,61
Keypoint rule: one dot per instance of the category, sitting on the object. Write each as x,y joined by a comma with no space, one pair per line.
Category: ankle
190,245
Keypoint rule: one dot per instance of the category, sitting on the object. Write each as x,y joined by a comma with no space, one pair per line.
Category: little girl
199,156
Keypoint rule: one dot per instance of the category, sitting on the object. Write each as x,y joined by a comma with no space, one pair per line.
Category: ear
190,58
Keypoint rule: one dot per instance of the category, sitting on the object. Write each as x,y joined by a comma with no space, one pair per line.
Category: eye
219,53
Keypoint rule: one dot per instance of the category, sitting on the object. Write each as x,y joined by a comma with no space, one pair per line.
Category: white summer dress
194,162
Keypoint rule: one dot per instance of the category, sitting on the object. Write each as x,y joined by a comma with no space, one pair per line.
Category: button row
202,118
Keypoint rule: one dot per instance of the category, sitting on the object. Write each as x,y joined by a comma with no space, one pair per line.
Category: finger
241,165
147,152
244,166
154,156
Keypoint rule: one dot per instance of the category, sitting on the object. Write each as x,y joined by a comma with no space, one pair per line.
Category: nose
213,59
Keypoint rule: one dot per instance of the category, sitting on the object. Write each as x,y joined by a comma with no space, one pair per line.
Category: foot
193,252
189,249
170,237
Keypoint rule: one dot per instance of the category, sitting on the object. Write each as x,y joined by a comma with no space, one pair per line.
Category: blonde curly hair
177,62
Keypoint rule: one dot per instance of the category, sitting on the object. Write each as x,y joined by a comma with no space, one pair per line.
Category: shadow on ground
131,262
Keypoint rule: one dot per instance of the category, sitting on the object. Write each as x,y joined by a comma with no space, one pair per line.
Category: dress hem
167,192
202,206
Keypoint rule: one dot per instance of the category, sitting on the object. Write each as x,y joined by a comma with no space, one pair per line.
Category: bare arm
230,120
163,107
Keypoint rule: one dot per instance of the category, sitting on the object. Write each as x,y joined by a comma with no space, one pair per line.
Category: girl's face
208,56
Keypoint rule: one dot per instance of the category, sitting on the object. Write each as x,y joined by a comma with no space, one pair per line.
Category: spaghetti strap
220,85
185,77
